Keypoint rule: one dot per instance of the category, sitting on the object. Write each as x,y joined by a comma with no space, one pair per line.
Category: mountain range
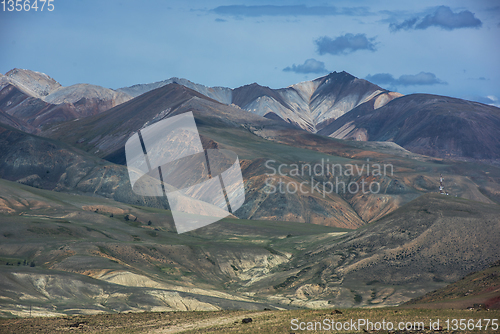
309,105
67,208
35,100
337,105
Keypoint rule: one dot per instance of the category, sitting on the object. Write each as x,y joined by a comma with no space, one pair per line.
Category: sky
451,47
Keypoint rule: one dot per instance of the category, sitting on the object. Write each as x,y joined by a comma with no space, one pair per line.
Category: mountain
220,94
433,125
32,83
478,290
72,254
258,141
424,245
49,164
309,105
14,122
221,126
39,100
337,105
74,238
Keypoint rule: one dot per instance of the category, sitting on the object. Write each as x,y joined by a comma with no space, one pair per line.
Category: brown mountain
309,105
66,253
426,244
258,140
342,106
426,124
52,165
220,126
38,100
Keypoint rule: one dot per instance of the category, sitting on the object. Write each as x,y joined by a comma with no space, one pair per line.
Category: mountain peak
343,74
34,83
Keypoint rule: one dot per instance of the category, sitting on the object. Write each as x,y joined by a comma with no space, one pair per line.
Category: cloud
220,20
381,79
405,25
345,44
298,10
309,66
420,79
479,78
442,17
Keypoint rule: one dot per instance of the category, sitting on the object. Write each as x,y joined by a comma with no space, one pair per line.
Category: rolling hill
478,290
74,254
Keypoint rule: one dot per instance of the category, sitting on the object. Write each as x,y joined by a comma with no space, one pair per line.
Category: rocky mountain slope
310,105
221,94
74,238
73,254
39,100
478,290
425,244
338,105
426,124
49,164
32,83
258,140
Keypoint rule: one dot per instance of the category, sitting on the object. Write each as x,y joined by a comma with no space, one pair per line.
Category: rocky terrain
478,290
38,100
73,254
76,240
338,105
309,105
433,125
257,139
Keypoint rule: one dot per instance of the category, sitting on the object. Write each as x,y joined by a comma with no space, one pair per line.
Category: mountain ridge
308,104
427,124
39,100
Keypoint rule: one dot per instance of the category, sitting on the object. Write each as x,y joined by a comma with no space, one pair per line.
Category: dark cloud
405,25
309,66
442,17
298,10
344,44
420,79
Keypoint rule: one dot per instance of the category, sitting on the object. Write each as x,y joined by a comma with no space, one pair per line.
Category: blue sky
448,48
